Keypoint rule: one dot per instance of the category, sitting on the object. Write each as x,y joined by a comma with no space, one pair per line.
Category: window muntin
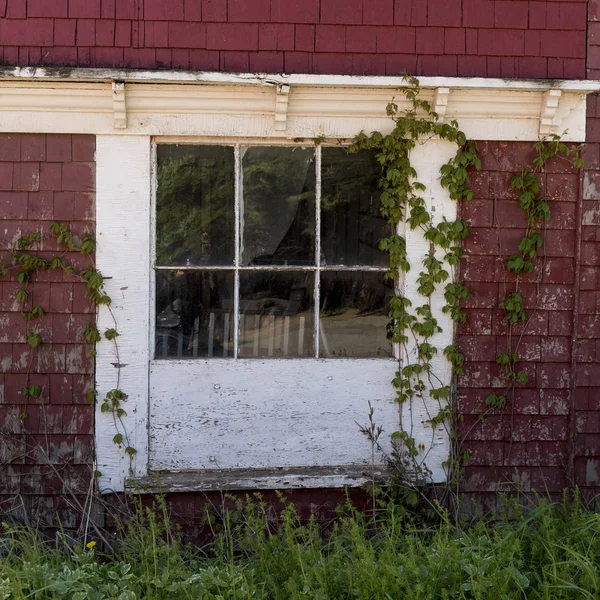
278,255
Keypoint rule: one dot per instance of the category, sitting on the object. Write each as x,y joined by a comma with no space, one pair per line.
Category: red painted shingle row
496,38
308,38
266,61
519,14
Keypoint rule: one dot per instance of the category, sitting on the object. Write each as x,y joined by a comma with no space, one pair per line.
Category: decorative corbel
281,106
119,106
548,114
440,102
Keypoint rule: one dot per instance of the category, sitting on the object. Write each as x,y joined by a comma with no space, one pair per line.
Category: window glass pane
194,314
278,217
195,205
351,225
276,314
353,311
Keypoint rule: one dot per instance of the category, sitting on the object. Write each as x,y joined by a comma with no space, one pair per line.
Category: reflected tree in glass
195,205
278,198
351,223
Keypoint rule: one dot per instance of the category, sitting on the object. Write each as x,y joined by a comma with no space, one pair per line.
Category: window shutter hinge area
281,107
440,102
119,105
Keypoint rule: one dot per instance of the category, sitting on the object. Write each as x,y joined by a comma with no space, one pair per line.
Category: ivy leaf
22,294
35,391
34,339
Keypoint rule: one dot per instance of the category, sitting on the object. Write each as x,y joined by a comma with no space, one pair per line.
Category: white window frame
315,474
124,187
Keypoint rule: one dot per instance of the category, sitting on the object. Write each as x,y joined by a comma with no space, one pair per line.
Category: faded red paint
550,432
47,178
493,38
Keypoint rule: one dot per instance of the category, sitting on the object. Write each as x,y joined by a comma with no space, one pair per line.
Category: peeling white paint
123,254
261,414
209,104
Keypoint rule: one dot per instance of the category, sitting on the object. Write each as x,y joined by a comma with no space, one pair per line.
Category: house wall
46,445
485,38
549,434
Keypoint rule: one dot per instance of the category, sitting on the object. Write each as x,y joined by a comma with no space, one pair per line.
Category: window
285,411
269,252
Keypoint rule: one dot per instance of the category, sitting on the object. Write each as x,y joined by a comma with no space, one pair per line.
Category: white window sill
253,479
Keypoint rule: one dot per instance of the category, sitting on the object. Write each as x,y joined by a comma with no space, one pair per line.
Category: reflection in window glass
194,314
353,315
196,226
351,225
278,196
195,205
276,314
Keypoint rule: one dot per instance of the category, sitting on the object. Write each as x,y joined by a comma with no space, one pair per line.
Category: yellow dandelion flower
90,545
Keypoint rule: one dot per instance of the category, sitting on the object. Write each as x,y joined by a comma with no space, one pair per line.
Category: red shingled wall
587,371
488,38
46,445
528,442
549,436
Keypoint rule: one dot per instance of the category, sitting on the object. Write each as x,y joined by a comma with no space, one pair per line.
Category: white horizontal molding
155,76
101,101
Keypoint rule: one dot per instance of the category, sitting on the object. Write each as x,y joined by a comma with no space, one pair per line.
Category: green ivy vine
529,249
402,201
23,266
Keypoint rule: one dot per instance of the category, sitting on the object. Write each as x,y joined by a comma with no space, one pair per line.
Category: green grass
549,552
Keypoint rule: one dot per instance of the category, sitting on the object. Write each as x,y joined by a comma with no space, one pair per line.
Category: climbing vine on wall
529,254
25,263
413,324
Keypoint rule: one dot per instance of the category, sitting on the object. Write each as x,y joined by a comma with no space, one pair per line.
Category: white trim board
123,257
98,101
160,76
